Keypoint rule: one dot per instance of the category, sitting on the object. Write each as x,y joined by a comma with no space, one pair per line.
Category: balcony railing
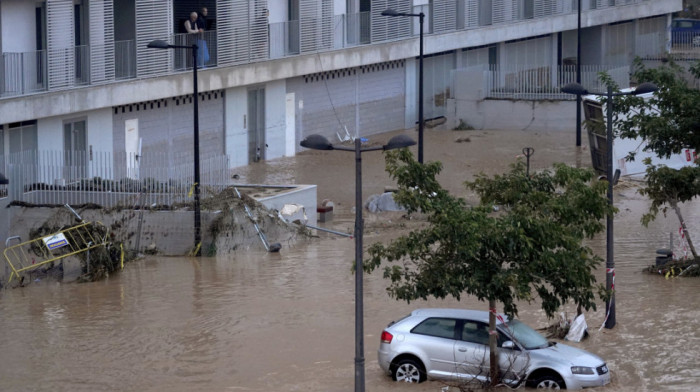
124,59
32,72
22,73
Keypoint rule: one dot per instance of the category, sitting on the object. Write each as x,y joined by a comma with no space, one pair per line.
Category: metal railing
22,73
685,43
545,82
109,179
284,39
124,59
29,72
206,54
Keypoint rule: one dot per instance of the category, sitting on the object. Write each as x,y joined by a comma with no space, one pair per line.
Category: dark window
475,332
439,327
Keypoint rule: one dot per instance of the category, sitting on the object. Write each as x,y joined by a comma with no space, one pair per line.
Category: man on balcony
196,27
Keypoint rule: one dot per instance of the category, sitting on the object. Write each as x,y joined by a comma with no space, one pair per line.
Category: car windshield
526,336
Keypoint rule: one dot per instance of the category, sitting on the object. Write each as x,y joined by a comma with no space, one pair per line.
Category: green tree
531,246
669,123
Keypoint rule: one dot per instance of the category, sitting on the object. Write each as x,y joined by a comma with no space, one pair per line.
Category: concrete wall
18,27
470,106
166,125
366,99
170,232
301,194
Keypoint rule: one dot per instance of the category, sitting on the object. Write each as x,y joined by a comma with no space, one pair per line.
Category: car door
513,362
473,355
472,351
436,338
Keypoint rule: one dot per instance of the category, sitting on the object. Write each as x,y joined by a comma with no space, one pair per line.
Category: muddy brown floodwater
256,321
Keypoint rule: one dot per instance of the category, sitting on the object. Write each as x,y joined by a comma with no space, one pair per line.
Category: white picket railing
110,179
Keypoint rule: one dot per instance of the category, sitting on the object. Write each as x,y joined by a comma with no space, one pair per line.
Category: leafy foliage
669,123
532,246
668,187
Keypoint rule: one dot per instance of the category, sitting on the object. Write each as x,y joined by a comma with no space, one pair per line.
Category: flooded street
257,321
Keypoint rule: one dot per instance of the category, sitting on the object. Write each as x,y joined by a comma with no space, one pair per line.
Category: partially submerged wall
471,106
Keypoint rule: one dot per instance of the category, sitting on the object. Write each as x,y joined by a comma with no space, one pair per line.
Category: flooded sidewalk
259,321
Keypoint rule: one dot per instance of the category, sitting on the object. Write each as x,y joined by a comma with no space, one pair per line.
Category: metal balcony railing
62,68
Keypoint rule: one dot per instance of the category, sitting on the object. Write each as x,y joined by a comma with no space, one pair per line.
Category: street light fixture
159,44
421,119
576,88
318,142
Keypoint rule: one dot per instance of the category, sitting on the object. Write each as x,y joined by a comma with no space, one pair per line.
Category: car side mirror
509,344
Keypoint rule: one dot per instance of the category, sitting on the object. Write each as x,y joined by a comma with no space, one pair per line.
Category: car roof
477,315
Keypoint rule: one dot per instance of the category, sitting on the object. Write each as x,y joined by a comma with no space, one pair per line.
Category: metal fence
110,179
685,44
545,82
30,72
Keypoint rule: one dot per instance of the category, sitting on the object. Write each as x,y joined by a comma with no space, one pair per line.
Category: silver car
453,344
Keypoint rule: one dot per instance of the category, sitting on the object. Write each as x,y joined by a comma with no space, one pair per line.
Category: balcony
64,68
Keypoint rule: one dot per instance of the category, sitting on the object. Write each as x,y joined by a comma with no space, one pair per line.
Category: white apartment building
77,77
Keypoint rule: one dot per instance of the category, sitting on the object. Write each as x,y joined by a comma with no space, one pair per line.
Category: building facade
77,77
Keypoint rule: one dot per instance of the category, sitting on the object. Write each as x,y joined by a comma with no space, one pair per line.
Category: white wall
278,11
236,135
18,26
99,133
99,130
275,114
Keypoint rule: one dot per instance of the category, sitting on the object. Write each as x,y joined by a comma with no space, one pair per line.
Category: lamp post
318,142
159,44
421,119
578,76
576,88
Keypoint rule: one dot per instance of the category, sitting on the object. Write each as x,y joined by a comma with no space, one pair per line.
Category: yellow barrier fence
40,251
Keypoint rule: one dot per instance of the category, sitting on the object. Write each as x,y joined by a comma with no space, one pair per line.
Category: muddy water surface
259,321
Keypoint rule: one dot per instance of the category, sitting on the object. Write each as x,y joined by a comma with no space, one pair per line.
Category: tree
532,246
669,123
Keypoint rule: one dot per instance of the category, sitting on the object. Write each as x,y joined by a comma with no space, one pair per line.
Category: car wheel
409,370
549,382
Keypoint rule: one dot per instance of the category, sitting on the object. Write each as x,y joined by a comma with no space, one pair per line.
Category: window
477,332
438,327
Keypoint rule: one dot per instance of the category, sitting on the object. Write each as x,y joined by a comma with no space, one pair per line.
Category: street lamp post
578,76
158,44
318,142
421,119
576,88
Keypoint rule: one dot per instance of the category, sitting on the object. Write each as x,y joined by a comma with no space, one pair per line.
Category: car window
476,332
526,336
440,327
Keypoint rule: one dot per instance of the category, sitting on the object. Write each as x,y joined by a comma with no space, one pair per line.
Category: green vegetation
524,239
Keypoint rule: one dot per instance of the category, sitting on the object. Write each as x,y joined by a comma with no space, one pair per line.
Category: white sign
55,241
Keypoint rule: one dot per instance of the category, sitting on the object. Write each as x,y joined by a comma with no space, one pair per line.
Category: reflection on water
284,321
